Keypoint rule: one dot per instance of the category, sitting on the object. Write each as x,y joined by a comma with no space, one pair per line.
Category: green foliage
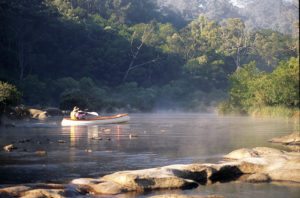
63,52
275,111
241,92
83,93
257,92
34,90
9,95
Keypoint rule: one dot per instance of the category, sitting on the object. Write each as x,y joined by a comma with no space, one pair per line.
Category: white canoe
119,118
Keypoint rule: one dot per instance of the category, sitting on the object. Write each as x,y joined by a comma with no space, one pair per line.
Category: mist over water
147,141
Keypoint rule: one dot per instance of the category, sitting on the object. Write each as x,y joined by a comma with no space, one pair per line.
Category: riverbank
256,165
265,111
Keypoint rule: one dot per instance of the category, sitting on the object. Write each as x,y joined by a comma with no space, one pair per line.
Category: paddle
93,113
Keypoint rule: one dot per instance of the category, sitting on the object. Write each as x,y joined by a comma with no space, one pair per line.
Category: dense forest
142,55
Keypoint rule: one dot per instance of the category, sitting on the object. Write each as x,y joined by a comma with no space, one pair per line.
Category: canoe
119,118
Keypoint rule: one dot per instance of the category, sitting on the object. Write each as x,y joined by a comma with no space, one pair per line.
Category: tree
235,40
9,95
273,46
137,45
241,89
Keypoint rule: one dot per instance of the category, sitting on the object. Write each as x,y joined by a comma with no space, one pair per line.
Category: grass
275,111
225,108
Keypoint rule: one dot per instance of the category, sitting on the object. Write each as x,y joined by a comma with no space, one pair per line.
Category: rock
37,114
295,148
85,181
266,151
285,175
258,178
9,147
260,164
41,153
241,153
147,179
110,188
278,165
49,186
293,138
13,191
44,193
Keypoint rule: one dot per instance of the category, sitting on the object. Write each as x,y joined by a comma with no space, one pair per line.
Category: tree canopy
102,53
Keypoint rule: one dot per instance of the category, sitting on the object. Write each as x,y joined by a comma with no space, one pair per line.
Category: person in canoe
77,114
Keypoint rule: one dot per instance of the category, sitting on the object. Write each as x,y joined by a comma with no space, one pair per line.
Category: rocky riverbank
260,164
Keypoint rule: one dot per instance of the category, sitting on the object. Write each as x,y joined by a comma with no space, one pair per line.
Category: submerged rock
41,153
293,138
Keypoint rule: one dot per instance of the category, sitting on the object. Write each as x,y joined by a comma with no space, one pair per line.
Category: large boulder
37,114
168,177
277,165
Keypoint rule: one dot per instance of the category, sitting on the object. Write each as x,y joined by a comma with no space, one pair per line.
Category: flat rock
44,193
293,138
13,191
241,153
258,178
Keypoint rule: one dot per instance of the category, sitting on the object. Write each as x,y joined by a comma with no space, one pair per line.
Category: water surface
148,140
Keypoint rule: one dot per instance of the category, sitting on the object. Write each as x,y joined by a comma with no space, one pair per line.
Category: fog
278,15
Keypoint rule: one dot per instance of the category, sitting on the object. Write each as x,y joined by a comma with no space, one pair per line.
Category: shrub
9,95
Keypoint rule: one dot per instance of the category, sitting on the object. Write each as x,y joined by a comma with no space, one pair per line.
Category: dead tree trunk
135,51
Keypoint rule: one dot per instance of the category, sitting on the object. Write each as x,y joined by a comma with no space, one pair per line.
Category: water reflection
73,136
95,132
161,139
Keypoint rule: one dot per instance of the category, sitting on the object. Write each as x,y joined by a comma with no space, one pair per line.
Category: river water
147,141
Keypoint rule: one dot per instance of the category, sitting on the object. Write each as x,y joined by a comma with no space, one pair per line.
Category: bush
9,95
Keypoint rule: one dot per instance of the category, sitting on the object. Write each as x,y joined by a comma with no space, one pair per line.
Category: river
148,140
